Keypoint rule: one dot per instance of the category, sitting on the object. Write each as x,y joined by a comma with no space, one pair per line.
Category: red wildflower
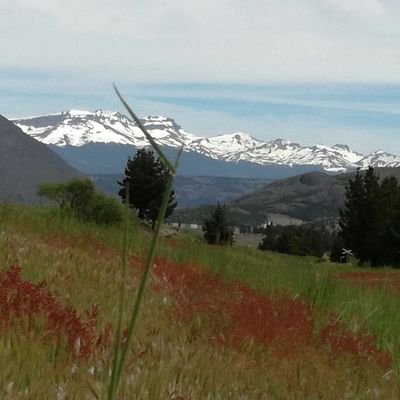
21,300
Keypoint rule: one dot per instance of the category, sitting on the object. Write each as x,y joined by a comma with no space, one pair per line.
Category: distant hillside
192,191
24,163
305,197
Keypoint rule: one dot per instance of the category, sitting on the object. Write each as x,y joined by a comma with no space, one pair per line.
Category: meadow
216,322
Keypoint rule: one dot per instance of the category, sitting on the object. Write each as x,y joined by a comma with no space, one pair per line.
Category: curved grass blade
143,281
120,357
121,302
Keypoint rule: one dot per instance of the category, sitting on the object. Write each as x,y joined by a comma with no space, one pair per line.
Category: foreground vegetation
217,322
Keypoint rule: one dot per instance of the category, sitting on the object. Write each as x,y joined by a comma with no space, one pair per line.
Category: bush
104,210
79,198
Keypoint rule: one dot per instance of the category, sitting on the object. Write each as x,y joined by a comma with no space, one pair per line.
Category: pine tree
372,234
371,218
147,181
270,240
216,229
353,218
390,204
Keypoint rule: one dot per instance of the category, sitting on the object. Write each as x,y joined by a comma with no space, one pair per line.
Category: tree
336,254
370,219
302,240
79,198
216,228
147,180
270,240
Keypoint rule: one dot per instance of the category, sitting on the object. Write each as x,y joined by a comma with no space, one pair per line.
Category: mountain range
83,138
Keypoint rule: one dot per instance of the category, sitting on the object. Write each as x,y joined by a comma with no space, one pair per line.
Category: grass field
216,323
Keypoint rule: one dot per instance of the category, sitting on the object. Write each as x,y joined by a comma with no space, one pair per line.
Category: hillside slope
308,197
24,163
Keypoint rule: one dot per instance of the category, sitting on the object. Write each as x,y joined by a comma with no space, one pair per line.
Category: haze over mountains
83,138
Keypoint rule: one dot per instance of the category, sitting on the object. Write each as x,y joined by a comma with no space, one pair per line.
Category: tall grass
176,360
120,356
360,308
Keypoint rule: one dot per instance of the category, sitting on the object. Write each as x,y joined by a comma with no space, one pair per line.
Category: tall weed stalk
120,354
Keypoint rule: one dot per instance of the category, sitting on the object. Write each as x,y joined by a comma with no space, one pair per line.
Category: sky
310,71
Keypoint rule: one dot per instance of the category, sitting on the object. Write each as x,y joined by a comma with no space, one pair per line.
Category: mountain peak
282,142
341,147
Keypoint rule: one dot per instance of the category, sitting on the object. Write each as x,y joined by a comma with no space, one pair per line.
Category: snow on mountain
224,146
284,152
77,128
380,159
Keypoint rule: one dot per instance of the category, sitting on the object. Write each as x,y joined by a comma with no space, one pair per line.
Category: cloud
360,8
188,40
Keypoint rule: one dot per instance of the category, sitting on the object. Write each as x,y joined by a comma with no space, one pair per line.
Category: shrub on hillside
79,198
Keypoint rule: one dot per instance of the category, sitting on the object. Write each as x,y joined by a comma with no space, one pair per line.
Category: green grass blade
147,134
121,305
120,357
143,281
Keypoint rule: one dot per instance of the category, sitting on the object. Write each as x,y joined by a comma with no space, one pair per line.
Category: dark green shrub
79,198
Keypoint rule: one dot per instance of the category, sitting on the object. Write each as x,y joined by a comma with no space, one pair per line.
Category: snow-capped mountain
380,159
225,147
79,128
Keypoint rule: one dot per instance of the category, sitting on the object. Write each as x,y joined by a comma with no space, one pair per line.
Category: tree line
368,226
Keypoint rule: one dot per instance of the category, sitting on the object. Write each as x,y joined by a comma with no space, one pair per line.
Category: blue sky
311,72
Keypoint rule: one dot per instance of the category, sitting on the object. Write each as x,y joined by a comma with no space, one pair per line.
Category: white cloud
219,40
